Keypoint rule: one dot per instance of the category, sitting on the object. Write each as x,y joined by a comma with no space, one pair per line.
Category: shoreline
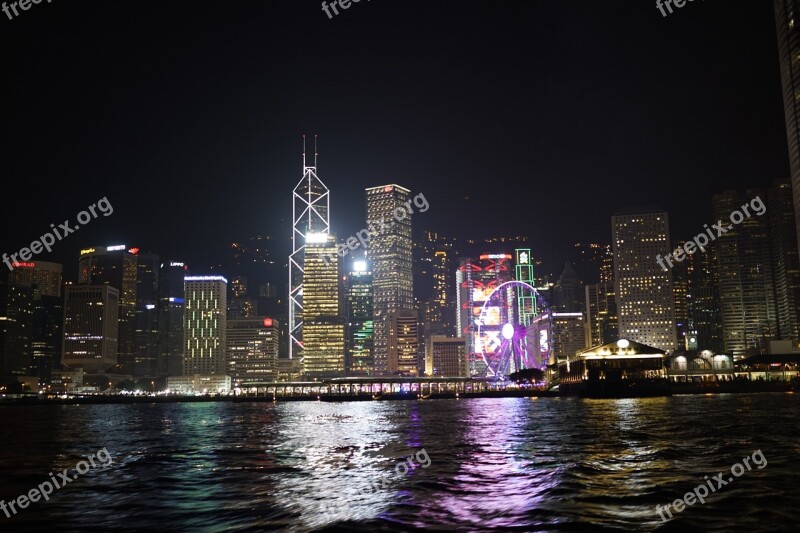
674,389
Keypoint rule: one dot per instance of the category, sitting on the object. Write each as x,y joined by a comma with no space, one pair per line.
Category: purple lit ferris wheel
507,340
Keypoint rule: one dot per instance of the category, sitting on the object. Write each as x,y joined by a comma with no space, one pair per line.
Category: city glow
316,238
204,278
360,266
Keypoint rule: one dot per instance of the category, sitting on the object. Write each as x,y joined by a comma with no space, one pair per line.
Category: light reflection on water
554,464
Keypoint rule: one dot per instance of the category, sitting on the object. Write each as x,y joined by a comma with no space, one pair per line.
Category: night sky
537,117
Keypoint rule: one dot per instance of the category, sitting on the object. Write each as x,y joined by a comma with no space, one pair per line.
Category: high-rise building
788,30
445,356
323,327
205,325
681,295
146,333
568,334
645,298
390,254
359,329
90,327
403,342
16,322
568,293
476,279
240,305
310,216
171,307
746,278
41,274
601,314
115,266
44,279
704,312
252,346
785,258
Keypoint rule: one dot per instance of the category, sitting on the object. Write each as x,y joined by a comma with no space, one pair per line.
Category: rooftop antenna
304,150
315,150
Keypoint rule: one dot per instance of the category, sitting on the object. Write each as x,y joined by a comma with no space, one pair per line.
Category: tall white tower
310,215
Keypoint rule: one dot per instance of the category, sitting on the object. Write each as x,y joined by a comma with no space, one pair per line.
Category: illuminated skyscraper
205,323
115,266
41,274
252,346
390,254
90,327
645,298
323,327
787,24
601,314
310,215
445,356
786,260
359,320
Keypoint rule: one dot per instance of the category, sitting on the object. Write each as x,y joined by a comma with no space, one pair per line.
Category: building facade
171,307
644,290
601,314
389,252
445,356
205,325
323,327
90,328
359,320
252,346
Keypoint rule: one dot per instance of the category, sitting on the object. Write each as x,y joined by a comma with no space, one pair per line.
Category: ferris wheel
504,328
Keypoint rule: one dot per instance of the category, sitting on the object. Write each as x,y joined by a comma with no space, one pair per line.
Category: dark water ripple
495,464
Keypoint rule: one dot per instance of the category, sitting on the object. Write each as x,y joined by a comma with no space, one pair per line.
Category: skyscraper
171,306
252,347
41,274
90,327
568,293
323,327
146,330
787,25
601,314
16,321
783,238
746,278
115,266
390,254
310,215
645,298
445,356
359,320
205,323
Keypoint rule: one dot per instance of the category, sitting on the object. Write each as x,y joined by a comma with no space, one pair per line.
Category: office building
785,258
117,267
788,31
645,297
389,252
40,274
310,216
445,356
146,331
90,327
359,329
746,278
171,307
252,347
16,323
601,314
323,327
205,325
568,293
